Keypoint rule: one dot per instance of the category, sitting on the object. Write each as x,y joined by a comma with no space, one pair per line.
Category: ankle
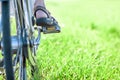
40,14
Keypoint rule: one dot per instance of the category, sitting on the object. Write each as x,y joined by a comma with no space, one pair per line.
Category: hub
15,43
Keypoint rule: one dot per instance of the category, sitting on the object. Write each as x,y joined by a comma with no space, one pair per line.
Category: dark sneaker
49,23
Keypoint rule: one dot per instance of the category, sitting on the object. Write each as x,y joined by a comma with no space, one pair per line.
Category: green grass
88,47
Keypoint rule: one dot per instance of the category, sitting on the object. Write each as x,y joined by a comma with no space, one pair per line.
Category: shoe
49,23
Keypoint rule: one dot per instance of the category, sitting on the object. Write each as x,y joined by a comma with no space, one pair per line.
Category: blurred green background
88,46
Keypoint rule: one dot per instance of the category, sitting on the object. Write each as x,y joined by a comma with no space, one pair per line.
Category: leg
39,13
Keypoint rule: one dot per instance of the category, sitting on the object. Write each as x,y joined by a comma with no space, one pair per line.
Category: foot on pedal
49,23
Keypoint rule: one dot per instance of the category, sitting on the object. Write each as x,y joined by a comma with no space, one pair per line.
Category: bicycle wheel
24,44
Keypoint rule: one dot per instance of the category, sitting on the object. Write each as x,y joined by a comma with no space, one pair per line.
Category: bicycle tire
7,39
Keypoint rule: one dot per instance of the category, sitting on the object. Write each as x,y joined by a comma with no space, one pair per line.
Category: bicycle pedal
51,29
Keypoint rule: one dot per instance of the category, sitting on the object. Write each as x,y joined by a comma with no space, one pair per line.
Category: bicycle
19,51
